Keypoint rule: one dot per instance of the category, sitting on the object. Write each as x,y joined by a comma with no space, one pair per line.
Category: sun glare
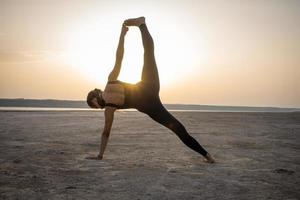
87,55
91,50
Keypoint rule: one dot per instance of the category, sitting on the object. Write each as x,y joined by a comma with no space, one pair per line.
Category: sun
92,51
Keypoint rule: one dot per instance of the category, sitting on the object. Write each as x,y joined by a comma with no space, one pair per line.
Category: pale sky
235,52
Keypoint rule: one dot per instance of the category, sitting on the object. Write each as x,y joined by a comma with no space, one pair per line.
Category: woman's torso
125,95
114,94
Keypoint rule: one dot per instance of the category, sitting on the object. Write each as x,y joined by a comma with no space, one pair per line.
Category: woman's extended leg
150,73
162,116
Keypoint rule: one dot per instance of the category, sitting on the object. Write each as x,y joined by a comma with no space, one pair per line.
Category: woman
143,96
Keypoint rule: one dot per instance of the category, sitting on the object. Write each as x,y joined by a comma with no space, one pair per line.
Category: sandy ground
43,157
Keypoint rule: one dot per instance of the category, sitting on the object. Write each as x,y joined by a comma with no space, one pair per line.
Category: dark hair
91,95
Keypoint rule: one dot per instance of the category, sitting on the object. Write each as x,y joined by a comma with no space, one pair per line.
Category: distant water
68,105
134,110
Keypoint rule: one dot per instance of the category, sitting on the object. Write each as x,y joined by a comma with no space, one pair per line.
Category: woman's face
95,103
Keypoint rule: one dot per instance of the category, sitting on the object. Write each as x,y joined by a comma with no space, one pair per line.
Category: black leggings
151,104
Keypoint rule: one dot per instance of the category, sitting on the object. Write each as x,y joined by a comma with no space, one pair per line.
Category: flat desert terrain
42,156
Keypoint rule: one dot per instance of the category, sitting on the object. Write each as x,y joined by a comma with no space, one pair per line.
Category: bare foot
209,159
135,21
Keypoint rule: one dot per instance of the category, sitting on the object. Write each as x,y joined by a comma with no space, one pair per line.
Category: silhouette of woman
143,96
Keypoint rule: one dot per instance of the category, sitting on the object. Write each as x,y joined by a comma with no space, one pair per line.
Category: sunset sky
243,52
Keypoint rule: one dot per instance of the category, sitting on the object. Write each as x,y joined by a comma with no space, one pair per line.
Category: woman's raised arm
119,55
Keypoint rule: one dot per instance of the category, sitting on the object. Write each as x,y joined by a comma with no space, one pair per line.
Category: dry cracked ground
43,156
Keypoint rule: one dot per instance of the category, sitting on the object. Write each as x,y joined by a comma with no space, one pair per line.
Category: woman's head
94,99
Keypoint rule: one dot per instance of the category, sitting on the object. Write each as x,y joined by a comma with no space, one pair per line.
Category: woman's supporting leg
162,116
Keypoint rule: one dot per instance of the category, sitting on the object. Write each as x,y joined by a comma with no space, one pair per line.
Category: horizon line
187,104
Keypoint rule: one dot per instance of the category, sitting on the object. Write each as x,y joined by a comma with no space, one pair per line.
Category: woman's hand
99,157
